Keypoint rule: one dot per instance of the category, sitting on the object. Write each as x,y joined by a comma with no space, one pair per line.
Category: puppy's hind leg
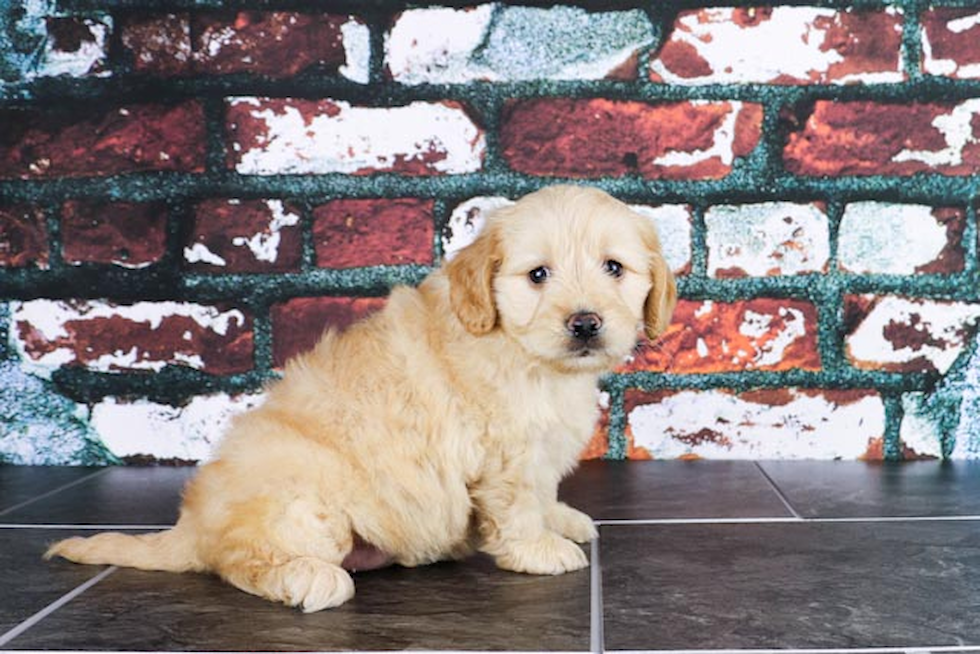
307,582
290,553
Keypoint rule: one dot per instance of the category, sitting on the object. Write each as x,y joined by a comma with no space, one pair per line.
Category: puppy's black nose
584,325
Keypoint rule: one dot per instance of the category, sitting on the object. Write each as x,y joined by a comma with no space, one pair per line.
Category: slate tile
796,585
30,583
469,605
119,496
852,489
19,484
635,490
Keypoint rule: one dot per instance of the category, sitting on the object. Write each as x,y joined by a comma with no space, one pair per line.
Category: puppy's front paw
570,523
549,554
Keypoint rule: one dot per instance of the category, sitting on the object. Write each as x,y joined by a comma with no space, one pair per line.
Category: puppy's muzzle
584,327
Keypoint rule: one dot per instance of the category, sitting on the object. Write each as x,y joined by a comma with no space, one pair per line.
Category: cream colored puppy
437,427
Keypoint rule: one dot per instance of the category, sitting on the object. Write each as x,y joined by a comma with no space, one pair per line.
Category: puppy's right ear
470,276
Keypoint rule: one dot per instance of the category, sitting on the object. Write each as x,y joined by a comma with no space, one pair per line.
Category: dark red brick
600,137
271,43
76,142
951,42
23,237
351,233
758,334
245,236
869,138
159,44
275,44
298,324
124,233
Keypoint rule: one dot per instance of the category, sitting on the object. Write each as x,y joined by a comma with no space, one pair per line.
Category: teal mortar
756,178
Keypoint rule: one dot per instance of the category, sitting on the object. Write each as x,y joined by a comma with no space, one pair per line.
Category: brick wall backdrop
191,190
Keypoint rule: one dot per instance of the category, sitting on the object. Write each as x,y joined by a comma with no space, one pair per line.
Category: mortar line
54,606
53,491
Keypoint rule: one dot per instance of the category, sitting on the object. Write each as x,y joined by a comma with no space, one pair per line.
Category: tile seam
777,490
906,649
114,527
596,621
785,520
54,606
54,491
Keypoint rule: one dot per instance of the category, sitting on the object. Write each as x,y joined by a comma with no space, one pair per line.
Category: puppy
437,427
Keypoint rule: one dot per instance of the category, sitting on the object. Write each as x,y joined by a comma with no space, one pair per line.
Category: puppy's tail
172,550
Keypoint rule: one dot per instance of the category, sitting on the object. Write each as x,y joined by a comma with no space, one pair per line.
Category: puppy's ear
470,276
661,300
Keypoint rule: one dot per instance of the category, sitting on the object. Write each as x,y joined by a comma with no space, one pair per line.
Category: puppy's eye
613,268
539,275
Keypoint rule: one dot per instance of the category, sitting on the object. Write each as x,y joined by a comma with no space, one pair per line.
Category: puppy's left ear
661,300
470,276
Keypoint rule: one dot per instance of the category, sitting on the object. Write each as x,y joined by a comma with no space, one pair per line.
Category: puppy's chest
543,406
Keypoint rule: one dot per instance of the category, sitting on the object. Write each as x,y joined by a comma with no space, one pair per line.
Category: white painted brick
905,334
788,45
719,424
320,137
885,238
189,433
774,238
503,43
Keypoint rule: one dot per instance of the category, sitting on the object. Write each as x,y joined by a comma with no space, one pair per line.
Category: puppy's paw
314,585
570,523
549,554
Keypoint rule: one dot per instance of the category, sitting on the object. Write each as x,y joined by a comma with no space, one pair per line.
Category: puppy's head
568,272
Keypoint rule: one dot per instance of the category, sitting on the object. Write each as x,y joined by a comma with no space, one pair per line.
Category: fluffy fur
437,427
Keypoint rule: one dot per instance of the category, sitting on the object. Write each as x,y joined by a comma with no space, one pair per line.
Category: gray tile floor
692,556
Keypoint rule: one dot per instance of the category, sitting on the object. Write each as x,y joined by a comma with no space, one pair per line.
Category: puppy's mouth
585,349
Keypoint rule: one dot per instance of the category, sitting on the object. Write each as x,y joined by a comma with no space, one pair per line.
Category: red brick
245,236
76,142
128,234
275,44
758,334
146,336
725,45
351,233
868,138
23,237
951,42
298,324
599,137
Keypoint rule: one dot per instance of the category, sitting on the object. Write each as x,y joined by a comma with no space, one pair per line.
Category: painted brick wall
190,192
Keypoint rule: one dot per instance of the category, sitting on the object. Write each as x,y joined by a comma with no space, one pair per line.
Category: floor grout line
54,606
42,496
909,649
776,489
596,636
777,521
118,527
